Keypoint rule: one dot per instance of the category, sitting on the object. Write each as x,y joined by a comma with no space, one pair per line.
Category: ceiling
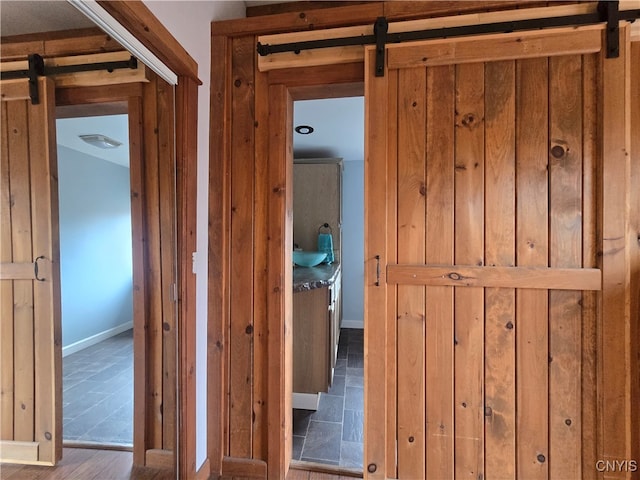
112,126
338,128
22,17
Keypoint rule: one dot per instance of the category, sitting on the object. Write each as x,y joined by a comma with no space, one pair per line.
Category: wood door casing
30,403
151,109
491,171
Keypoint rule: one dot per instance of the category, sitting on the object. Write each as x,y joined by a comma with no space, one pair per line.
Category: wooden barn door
30,400
482,266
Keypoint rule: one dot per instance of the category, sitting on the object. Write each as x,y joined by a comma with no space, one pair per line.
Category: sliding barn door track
608,12
37,68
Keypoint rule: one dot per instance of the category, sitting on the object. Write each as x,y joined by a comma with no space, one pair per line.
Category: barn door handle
35,268
377,270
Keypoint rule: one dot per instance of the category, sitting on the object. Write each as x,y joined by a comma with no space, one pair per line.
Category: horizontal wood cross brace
17,271
496,277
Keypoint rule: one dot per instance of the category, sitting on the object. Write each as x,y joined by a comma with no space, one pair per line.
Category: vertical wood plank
635,243
153,263
167,198
614,351
469,250
375,296
280,280
140,346
440,178
565,245
186,118
411,299
589,260
219,235
532,250
391,376
6,287
22,289
46,306
242,203
500,321
261,199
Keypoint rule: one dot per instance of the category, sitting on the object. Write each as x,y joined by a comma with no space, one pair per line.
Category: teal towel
325,245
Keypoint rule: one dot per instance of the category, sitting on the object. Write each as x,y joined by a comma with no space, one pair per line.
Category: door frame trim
136,17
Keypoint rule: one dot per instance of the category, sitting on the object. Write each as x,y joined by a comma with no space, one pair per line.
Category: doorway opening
328,362
96,279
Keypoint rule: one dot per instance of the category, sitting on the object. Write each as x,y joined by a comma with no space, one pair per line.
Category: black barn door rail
37,68
608,12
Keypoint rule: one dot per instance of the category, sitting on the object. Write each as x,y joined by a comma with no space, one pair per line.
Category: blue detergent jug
325,242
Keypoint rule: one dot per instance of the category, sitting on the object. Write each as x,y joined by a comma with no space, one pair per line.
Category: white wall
190,23
95,248
353,244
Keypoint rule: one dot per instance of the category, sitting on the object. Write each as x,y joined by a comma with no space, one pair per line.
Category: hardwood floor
86,464
90,464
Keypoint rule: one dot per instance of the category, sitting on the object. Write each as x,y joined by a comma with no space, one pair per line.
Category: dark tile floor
97,395
333,434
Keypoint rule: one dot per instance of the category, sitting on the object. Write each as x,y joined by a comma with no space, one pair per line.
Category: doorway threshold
98,446
323,468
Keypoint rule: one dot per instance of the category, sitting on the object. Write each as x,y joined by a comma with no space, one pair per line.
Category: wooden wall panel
389,111
6,289
469,250
411,299
159,255
376,423
440,205
261,254
242,204
589,259
532,250
219,240
140,361
614,321
24,394
565,240
167,216
527,414
153,266
635,245
500,321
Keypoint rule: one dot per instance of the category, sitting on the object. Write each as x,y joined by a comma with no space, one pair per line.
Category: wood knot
249,329
423,189
237,82
541,458
455,276
411,439
558,151
470,120
166,327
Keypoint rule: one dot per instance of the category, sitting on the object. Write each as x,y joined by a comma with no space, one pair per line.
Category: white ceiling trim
111,26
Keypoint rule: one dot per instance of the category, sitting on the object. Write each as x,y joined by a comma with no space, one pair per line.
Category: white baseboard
97,338
306,401
352,323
